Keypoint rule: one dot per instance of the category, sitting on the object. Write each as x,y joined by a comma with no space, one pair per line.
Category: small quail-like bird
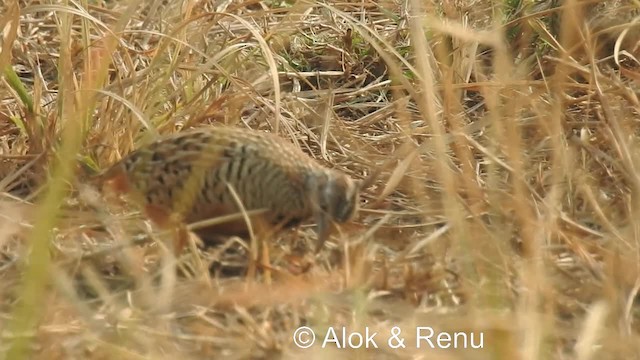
206,172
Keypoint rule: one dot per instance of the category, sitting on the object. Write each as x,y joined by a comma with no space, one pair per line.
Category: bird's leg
181,237
259,236
265,261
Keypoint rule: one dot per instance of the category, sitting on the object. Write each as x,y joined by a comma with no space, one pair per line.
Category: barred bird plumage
202,173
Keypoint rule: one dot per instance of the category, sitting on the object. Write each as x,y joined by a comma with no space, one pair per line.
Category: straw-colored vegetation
505,134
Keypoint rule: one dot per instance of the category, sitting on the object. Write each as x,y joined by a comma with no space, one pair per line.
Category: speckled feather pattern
190,173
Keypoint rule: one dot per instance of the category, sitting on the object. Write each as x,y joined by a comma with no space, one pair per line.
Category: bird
213,171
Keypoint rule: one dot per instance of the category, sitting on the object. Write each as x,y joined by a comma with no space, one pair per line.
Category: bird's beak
323,229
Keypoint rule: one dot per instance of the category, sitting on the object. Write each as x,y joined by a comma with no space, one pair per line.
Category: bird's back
191,173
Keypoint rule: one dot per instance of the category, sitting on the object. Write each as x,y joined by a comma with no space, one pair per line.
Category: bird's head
336,197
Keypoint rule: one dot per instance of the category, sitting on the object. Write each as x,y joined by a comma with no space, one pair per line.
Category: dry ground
506,135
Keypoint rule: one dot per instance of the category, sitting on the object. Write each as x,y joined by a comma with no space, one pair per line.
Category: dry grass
506,204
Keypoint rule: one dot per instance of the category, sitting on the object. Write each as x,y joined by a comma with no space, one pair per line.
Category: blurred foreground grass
505,133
